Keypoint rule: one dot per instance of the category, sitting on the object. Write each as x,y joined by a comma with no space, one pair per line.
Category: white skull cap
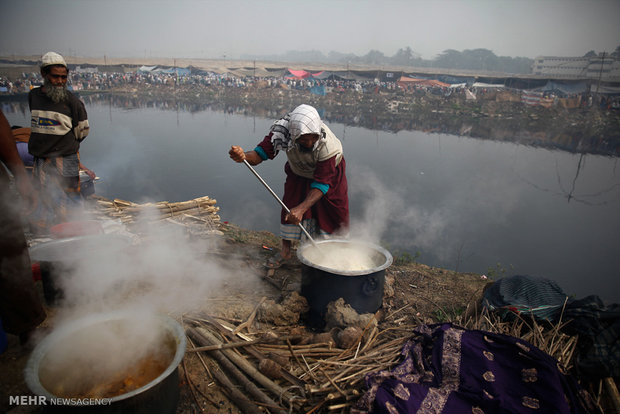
52,58
304,120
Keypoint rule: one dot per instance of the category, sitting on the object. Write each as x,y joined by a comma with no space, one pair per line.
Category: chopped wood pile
200,210
284,373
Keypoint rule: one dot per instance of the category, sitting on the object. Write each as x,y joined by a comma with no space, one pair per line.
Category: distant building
602,67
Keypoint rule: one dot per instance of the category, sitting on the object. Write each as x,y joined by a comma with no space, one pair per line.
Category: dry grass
548,337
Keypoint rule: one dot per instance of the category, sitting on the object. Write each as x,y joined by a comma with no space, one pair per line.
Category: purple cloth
447,369
27,158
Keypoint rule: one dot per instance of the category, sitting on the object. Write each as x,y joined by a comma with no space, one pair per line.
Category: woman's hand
90,173
295,216
297,212
236,153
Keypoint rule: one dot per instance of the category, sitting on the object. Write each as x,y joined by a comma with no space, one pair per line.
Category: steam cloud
164,272
383,208
442,228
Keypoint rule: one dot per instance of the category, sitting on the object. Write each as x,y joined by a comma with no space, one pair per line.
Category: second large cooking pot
333,269
98,353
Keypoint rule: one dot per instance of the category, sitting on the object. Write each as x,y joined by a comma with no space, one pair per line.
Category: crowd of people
102,81
93,80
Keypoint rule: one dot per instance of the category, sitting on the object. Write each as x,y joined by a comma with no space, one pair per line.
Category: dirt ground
413,293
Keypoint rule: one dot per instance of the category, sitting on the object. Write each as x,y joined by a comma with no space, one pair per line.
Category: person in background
315,190
21,310
22,137
59,124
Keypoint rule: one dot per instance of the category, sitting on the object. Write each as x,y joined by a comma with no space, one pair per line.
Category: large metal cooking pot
59,257
160,395
322,282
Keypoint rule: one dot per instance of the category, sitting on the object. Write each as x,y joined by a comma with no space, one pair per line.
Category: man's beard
56,93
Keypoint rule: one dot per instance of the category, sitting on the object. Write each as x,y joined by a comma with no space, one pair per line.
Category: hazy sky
218,28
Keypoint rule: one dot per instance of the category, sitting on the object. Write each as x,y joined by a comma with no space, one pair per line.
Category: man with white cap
316,190
59,124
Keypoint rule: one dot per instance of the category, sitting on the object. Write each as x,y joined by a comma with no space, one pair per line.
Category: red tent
298,74
301,74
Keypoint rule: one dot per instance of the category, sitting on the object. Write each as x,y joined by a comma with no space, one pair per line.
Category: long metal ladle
279,201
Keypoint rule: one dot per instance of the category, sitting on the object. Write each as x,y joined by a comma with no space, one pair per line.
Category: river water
466,204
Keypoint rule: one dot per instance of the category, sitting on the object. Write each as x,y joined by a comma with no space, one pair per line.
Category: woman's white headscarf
302,120
305,120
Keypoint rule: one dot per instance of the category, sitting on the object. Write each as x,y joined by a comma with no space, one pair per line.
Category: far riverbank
581,130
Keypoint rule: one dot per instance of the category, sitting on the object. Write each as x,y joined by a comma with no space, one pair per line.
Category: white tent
487,85
146,68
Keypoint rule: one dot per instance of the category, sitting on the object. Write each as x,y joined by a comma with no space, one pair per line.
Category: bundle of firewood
200,209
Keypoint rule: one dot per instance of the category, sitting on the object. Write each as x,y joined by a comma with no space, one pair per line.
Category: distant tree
449,58
405,57
374,57
337,57
591,53
474,59
480,59
616,52
520,65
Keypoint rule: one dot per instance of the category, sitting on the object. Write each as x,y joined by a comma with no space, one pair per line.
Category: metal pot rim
377,248
31,371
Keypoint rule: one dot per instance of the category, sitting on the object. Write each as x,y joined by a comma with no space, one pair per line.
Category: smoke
444,227
119,158
384,209
163,271
378,206
255,212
